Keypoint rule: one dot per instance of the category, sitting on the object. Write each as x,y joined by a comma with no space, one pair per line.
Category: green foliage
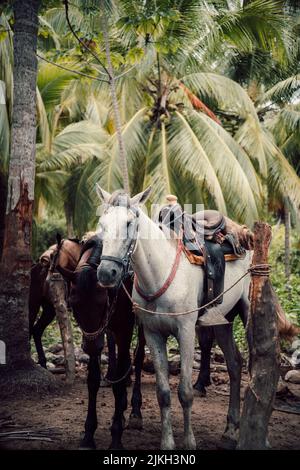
240,334
44,233
52,336
289,295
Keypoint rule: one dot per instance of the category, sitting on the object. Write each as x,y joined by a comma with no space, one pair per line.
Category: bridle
125,261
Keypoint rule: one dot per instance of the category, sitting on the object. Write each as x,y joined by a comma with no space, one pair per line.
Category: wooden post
262,333
56,292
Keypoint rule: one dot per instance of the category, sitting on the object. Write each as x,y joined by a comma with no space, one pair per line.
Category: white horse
127,231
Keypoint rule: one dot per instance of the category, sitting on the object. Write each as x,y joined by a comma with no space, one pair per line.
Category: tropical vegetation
197,98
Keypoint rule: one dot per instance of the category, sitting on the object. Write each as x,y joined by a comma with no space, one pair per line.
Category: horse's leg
157,344
112,357
120,389
224,336
205,338
243,309
34,308
93,382
185,389
135,419
38,329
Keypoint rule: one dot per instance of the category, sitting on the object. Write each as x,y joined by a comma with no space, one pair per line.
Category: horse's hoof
190,444
227,443
87,444
105,383
135,422
118,446
199,392
167,446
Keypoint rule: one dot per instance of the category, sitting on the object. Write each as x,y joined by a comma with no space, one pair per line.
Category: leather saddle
213,237
209,221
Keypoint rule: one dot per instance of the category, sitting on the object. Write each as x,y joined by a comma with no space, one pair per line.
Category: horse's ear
104,196
140,198
58,238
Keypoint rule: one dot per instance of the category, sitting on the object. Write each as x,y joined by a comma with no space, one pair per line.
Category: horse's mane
119,198
87,276
75,240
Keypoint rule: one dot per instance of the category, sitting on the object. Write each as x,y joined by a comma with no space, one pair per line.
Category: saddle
210,239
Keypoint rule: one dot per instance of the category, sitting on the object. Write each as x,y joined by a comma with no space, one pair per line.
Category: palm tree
19,371
6,74
284,123
164,43
178,148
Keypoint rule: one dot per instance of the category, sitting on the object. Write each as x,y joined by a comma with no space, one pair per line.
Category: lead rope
256,270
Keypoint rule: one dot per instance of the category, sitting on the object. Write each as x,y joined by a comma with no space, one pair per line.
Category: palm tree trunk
112,82
19,370
287,247
3,193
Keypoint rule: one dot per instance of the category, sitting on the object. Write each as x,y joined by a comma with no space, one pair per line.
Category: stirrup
212,317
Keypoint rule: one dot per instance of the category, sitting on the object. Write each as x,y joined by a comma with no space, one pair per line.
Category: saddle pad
199,259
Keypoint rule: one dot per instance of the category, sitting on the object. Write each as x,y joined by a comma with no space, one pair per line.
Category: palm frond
225,93
108,173
186,149
79,133
250,138
224,155
281,176
260,23
284,89
51,83
43,123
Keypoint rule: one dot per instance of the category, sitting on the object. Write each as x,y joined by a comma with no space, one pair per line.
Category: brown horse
95,311
40,295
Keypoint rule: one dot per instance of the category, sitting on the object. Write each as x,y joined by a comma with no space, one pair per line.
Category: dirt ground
64,415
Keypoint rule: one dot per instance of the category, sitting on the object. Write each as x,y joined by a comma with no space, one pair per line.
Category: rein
94,335
255,270
167,283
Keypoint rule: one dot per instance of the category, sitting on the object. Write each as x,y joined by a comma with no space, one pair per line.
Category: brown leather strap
167,283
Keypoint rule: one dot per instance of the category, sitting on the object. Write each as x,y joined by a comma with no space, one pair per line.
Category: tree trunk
122,154
56,293
287,247
262,332
3,193
19,370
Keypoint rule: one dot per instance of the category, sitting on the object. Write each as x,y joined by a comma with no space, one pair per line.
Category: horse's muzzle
109,274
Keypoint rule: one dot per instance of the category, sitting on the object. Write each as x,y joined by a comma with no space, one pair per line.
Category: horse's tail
287,330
